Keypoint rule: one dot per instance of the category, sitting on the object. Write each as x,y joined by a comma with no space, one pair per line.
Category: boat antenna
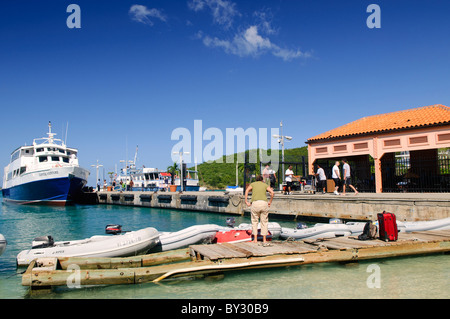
67,128
50,134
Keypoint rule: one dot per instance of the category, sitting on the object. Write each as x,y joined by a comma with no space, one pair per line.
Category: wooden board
248,249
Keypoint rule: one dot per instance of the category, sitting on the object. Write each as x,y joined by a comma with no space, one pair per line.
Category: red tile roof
408,119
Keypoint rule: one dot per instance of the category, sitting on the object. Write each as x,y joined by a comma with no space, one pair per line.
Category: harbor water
412,277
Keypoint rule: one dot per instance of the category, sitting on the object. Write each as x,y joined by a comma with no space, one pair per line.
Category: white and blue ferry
46,172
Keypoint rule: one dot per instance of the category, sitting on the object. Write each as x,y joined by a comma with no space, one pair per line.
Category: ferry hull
57,191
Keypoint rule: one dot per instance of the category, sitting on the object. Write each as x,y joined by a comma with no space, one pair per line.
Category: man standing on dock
347,177
336,177
259,207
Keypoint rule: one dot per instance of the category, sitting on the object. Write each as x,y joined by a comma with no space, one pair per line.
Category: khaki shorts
260,211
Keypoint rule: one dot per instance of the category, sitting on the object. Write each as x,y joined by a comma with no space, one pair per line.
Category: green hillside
215,175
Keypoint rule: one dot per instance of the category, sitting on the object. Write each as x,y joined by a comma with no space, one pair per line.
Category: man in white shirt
289,173
322,182
347,177
336,176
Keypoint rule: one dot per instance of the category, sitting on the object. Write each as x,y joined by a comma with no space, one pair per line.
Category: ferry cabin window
65,159
43,159
15,156
23,169
55,158
39,150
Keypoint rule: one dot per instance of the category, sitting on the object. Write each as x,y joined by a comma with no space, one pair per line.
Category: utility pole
97,166
281,139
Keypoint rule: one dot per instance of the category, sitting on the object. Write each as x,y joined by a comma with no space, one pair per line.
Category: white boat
124,245
234,189
317,231
274,228
192,182
438,224
198,234
3,244
46,172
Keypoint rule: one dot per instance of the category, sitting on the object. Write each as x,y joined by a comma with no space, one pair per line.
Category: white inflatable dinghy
3,244
318,231
124,245
198,234
438,224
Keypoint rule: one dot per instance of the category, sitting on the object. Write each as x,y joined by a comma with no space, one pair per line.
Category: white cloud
223,11
251,43
144,15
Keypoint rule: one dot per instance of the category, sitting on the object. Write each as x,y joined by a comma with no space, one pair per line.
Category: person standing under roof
336,176
347,177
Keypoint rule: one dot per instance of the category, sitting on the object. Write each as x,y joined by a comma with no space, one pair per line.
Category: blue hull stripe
58,189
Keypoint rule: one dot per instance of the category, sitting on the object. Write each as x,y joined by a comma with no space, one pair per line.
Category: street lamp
281,139
181,168
97,166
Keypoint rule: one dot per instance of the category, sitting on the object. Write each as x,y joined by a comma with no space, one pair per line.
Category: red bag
387,224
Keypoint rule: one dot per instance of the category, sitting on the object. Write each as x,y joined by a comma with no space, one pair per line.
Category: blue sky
137,70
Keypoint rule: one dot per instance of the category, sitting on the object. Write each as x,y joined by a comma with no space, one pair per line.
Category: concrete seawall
406,206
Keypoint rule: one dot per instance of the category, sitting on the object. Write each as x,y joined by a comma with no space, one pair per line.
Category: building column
378,176
377,159
311,159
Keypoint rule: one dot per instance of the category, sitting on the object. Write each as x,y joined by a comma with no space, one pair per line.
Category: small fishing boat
197,234
3,244
128,244
438,224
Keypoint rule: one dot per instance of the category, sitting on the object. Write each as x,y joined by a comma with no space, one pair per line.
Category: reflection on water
413,277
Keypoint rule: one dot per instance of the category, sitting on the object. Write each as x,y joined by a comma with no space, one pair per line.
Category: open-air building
400,151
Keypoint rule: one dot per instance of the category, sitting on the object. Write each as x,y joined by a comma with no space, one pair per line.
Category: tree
173,171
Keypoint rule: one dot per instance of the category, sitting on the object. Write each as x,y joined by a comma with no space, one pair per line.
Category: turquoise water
413,277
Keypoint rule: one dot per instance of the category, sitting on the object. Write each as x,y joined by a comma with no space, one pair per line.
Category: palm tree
173,170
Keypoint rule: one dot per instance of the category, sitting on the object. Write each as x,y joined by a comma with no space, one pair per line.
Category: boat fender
42,242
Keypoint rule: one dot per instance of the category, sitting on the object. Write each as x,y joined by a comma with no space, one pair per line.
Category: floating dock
45,273
364,206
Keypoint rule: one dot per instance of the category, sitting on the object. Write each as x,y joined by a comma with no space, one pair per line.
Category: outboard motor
113,229
42,242
301,226
230,222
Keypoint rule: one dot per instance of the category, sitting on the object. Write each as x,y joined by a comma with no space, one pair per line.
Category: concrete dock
364,206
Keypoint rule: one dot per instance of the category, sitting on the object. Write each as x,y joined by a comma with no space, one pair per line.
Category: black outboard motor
42,242
230,222
113,229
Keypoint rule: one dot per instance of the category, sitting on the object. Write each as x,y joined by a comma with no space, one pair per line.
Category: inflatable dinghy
438,224
123,245
198,234
3,243
318,231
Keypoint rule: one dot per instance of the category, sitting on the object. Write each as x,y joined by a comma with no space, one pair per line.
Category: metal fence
411,172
